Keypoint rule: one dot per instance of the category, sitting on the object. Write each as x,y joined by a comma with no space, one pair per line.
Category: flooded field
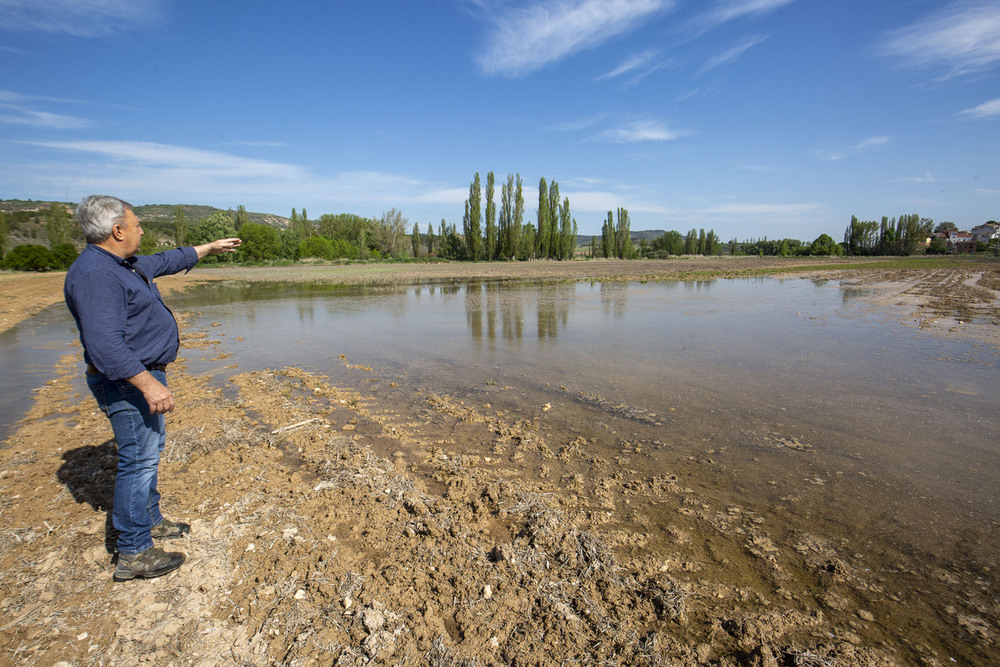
744,365
829,421
790,451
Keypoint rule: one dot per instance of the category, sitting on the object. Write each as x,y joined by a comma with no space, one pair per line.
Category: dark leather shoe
167,529
149,564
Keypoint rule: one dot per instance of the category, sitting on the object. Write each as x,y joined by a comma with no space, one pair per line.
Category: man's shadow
89,474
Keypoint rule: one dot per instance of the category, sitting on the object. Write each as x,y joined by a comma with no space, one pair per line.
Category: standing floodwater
790,387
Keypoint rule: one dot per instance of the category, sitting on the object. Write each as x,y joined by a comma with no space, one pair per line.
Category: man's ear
118,232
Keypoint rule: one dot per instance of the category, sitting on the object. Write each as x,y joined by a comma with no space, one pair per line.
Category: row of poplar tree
509,237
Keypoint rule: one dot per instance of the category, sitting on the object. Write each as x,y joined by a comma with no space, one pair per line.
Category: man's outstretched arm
217,247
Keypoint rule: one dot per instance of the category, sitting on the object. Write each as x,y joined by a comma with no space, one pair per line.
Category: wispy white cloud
759,167
603,200
525,39
638,67
639,131
985,110
80,18
454,196
580,123
262,144
165,156
725,11
14,114
871,143
699,92
865,146
11,49
963,38
928,177
732,54
20,98
153,172
637,61
752,209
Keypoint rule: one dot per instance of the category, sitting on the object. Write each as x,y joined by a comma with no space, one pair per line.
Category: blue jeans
140,437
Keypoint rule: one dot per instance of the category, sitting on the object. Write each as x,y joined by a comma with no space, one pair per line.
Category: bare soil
330,528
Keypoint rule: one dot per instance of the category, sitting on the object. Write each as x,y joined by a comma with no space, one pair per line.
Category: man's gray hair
97,214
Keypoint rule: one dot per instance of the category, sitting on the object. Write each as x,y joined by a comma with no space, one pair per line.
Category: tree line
331,236
905,235
487,234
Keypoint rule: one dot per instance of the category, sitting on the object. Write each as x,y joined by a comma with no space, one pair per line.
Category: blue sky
777,118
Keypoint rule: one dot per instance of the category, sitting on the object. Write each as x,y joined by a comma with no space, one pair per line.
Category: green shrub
29,257
316,246
64,254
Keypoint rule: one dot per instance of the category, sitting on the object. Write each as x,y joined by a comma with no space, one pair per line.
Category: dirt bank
329,528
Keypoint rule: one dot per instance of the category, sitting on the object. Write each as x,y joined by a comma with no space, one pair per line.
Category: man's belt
92,369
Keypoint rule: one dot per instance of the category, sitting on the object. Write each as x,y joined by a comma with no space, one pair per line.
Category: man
129,336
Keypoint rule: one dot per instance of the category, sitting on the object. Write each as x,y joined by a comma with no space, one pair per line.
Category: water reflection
614,298
851,294
494,310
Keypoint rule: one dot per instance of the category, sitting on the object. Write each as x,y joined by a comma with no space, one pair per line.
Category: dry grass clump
439,655
185,443
342,463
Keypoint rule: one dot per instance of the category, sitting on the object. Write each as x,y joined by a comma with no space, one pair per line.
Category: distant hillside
26,220
164,213
648,234
25,223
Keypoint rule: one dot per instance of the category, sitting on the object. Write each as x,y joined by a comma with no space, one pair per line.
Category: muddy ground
331,528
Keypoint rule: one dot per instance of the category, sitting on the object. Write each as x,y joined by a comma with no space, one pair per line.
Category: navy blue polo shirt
124,324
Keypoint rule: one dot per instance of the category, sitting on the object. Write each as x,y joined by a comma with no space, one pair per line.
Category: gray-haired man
129,336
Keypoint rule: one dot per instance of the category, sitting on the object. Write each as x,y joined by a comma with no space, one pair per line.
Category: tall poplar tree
712,244
180,227
526,247
691,243
467,228
506,218
57,225
242,218
3,232
415,240
491,246
474,235
608,236
430,238
623,235
565,230
544,220
554,226
517,222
